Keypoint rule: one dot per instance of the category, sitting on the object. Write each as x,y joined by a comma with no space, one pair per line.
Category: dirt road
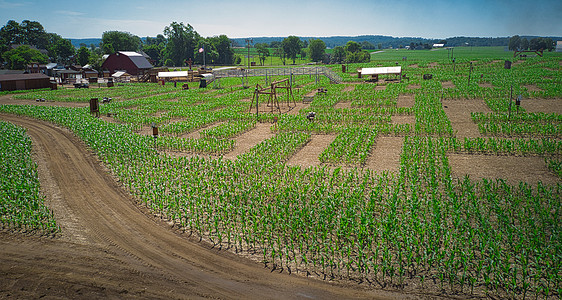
112,247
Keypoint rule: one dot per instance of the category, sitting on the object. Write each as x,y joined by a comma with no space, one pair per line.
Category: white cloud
69,13
9,4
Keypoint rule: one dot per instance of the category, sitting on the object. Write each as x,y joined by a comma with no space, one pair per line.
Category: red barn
132,62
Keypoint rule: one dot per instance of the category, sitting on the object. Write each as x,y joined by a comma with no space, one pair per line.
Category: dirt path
122,251
308,155
8,100
458,112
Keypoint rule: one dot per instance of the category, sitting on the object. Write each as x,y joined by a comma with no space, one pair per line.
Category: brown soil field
406,100
512,169
458,112
485,85
542,105
308,155
385,156
448,85
246,141
343,105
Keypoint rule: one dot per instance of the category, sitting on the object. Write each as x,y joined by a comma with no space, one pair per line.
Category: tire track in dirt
121,239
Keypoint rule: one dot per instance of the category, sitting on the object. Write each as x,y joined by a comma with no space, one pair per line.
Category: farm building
12,82
121,76
69,76
131,62
558,46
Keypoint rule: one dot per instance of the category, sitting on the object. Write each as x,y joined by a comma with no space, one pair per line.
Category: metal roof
120,73
10,77
138,59
381,70
172,74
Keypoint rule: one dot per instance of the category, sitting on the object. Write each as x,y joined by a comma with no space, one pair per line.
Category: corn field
420,228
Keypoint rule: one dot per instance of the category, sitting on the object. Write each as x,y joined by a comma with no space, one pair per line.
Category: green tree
352,47
222,45
514,42
524,44
263,52
317,49
61,50
292,46
338,55
12,33
155,52
20,57
34,34
281,54
358,57
367,45
210,52
182,40
95,61
120,41
83,55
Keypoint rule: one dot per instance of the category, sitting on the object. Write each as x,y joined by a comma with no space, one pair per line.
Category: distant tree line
539,43
21,43
25,42
384,42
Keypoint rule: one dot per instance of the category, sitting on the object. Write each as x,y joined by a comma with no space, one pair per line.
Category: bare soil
532,88
485,85
512,169
343,105
458,112
295,110
410,120
542,105
379,87
405,100
349,88
385,155
448,85
111,247
195,134
308,155
251,138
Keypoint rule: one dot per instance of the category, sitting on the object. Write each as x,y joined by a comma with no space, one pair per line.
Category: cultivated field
428,188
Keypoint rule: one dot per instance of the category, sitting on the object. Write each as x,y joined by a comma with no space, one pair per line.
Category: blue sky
252,18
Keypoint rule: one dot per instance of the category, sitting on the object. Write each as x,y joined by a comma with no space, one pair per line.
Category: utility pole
249,41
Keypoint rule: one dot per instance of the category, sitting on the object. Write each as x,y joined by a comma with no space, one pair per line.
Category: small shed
69,76
12,82
121,76
558,46
375,72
